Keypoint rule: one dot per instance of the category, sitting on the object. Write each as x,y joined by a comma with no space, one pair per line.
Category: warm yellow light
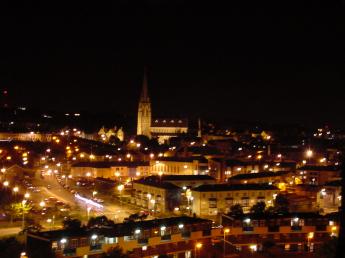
310,235
120,187
117,174
8,157
160,173
16,147
82,155
259,157
3,170
227,230
16,189
92,156
42,204
6,183
26,195
309,153
282,186
198,245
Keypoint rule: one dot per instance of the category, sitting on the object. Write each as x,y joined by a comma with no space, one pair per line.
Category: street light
197,247
23,214
88,212
226,231
120,189
26,195
94,194
310,237
42,204
6,183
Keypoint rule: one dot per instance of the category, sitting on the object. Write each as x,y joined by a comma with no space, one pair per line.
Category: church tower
144,111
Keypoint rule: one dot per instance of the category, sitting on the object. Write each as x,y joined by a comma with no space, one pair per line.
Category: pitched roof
260,175
106,164
336,183
123,229
156,182
183,177
233,187
320,168
184,159
169,122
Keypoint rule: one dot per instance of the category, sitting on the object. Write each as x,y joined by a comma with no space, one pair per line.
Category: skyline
253,64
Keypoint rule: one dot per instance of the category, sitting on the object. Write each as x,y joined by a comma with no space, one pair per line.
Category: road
112,210
9,231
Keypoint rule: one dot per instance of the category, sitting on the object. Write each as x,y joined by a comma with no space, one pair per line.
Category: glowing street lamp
226,231
120,189
42,204
310,237
26,195
6,183
198,246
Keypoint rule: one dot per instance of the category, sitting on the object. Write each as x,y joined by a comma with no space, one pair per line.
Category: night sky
270,63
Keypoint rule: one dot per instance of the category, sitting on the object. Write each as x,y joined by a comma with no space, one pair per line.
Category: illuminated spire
144,97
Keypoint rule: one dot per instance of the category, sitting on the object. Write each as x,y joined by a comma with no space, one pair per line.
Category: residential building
179,166
120,170
174,236
329,197
156,195
280,179
294,232
210,200
318,175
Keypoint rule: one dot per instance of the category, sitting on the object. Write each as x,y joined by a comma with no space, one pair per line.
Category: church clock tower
144,111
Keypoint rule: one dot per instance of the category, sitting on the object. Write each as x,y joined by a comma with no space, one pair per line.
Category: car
59,203
216,240
49,187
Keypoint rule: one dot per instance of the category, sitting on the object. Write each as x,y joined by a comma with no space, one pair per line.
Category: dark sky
266,62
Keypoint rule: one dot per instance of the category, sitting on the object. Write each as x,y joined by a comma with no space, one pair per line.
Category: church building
161,128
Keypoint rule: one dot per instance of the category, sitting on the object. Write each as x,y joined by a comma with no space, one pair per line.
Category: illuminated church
161,128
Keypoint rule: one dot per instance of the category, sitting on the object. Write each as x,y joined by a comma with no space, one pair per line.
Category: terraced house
175,236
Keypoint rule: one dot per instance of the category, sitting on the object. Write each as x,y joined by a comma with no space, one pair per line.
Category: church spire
144,97
144,111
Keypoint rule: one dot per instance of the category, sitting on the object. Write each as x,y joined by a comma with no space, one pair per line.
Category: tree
258,208
19,208
115,252
71,224
100,221
281,204
236,210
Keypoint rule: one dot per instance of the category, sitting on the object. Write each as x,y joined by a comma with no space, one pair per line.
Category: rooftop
183,159
123,229
336,183
259,175
156,182
107,164
233,187
300,215
320,168
169,122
